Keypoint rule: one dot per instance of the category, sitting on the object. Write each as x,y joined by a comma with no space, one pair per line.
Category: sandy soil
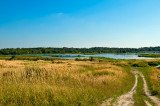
127,99
107,102
147,103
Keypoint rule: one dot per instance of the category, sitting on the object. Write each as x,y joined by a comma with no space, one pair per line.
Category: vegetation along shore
150,55
65,50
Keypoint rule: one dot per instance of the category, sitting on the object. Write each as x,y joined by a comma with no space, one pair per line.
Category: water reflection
107,55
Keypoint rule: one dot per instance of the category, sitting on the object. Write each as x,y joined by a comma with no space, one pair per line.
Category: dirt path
107,102
153,98
127,99
147,103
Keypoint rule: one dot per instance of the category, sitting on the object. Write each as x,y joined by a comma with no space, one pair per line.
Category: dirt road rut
127,99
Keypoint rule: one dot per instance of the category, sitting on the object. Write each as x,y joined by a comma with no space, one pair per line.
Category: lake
108,55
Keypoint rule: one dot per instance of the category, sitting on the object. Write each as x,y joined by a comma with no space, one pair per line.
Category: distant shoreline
65,50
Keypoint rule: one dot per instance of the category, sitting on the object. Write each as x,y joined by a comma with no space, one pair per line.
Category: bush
140,64
53,61
100,60
78,59
154,93
12,57
153,63
91,59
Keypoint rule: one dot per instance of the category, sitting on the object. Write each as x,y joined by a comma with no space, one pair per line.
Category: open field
145,90
152,75
62,82
27,80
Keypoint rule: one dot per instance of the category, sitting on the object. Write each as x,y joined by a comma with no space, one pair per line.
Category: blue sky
79,23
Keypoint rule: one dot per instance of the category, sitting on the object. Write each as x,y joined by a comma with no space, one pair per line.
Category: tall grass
152,75
41,83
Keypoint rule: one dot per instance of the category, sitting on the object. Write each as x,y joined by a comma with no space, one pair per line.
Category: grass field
62,82
35,80
150,55
152,75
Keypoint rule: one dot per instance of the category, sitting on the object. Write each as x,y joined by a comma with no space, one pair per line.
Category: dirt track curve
127,99
153,98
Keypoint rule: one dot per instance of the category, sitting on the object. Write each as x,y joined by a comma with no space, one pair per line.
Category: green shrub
100,60
154,93
153,63
91,59
12,57
140,64
53,61
78,59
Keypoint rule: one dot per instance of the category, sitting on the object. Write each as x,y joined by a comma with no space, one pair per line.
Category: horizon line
79,47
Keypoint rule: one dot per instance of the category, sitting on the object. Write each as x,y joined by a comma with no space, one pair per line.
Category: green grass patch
79,59
65,55
154,63
140,64
140,96
149,55
150,82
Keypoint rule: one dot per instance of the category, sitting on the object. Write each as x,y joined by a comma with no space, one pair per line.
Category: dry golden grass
151,73
64,82
155,79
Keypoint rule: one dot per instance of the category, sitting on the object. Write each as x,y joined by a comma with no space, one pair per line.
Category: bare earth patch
127,99
147,103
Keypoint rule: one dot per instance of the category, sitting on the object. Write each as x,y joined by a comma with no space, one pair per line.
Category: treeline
19,51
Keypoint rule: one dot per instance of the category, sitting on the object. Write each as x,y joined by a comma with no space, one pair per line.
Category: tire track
147,103
126,99
148,94
107,102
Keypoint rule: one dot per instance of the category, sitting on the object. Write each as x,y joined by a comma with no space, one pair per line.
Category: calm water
158,66
108,55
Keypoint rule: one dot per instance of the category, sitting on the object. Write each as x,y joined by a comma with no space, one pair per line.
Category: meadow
61,82
35,80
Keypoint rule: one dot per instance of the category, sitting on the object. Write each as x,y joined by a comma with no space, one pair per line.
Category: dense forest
19,51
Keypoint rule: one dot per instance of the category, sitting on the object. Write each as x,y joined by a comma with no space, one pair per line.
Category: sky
79,23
